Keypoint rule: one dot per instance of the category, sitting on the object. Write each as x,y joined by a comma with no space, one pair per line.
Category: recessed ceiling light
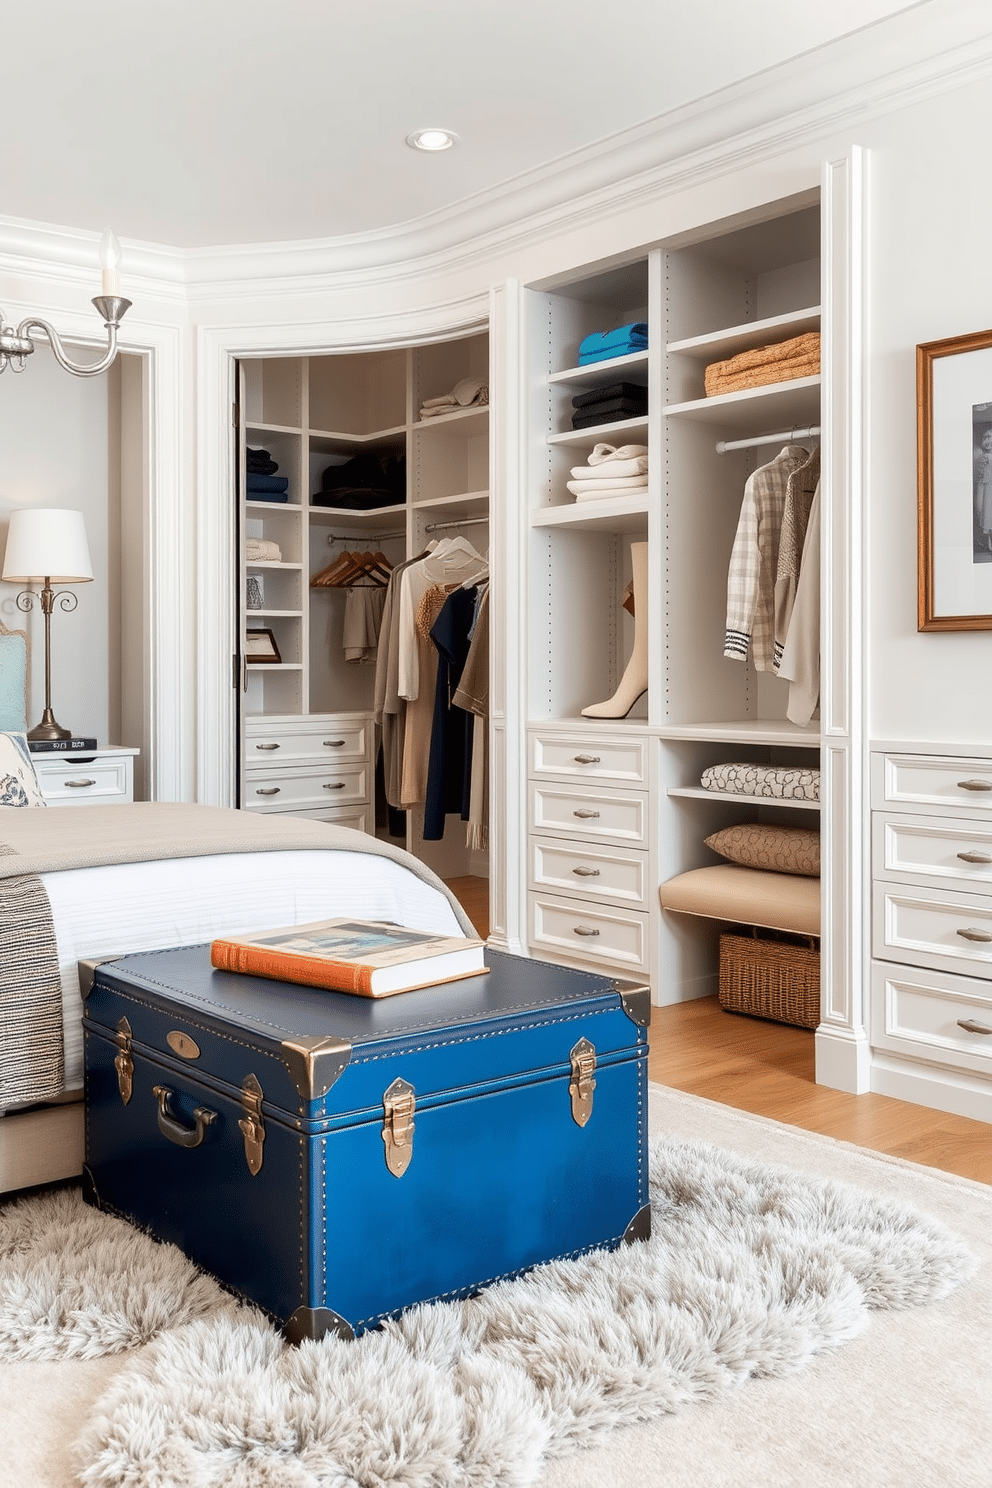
432,139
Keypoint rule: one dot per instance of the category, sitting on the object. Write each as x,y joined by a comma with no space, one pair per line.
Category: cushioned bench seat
746,896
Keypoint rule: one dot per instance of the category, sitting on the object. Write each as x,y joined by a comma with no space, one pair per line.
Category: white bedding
147,906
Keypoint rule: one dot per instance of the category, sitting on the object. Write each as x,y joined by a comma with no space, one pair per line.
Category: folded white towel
263,550
607,492
624,483
469,390
612,468
603,454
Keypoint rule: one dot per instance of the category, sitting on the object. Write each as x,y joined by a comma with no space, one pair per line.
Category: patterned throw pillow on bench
18,781
778,849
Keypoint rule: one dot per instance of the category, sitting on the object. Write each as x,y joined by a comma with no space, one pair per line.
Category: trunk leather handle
183,1136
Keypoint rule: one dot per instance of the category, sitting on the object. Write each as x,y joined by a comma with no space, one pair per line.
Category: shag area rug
750,1272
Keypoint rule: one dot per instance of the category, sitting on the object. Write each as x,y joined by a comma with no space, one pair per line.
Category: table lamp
47,547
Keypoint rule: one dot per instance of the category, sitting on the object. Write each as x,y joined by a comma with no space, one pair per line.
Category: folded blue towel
259,483
268,496
633,337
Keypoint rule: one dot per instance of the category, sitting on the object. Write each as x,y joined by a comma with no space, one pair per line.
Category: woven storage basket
770,978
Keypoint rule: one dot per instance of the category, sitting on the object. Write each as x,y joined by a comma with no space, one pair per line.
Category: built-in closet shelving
594,878
307,743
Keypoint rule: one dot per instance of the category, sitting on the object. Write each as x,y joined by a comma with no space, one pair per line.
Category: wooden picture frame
260,647
954,482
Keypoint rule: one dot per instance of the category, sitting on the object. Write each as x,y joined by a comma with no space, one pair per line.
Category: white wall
54,443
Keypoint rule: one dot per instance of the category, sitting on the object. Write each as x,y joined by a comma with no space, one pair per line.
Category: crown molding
67,256
883,68
920,53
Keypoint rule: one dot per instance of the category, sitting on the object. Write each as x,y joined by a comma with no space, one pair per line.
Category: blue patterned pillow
18,782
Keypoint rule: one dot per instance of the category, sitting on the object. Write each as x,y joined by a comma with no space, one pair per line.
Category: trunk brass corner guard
123,1063
86,970
315,1322
636,1000
639,1227
314,1062
582,1084
398,1104
251,1125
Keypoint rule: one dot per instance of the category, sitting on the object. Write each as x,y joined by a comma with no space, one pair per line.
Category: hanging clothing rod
367,537
462,522
725,445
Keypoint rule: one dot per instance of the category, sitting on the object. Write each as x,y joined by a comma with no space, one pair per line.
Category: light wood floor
768,1069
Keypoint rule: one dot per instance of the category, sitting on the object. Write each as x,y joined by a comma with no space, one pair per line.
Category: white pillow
18,782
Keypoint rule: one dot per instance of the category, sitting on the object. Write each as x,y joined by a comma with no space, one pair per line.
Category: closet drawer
589,872
921,1013
932,782
933,849
574,756
613,938
617,816
286,790
330,740
932,927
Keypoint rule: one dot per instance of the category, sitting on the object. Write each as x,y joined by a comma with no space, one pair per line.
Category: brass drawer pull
583,930
183,1136
972,934
584,814
975,857
586,872
333,743
78,784
268,790
266,746
970,1026
587,759
335,784
975,785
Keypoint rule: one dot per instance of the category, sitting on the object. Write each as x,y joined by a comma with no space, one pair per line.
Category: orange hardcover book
369,958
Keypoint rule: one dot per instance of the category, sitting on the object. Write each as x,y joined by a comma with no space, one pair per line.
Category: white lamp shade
47,544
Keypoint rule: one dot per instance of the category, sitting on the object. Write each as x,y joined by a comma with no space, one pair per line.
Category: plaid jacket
754,561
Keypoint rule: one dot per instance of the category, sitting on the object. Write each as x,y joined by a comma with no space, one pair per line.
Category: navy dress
450,764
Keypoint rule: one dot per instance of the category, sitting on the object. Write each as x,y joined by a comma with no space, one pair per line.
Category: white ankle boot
634,682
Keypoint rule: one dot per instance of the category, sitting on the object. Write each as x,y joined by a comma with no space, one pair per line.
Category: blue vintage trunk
335,1159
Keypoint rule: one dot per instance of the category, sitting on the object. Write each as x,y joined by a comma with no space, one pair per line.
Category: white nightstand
103,778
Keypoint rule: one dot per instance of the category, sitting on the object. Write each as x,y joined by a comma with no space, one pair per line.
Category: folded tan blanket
781,362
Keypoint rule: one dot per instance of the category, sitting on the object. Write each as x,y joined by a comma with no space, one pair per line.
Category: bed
125,878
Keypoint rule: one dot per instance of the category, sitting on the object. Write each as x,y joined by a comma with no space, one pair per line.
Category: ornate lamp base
48,728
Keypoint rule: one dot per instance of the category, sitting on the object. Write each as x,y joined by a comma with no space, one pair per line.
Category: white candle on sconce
110,261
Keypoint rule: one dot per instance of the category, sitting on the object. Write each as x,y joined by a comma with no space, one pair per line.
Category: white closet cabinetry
593,879
932,927
307,741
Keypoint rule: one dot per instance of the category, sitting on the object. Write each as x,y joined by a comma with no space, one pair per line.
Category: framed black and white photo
954,482
260,646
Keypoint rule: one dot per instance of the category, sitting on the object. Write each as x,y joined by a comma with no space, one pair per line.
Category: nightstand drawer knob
267,790
975,785
266,746
585,814
587,759
970,1026
972,934
974,857
79,784
333,743
335,784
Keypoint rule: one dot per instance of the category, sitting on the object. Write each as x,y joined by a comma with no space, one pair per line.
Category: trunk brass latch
582,1083
397,1127
251,1123
123,1063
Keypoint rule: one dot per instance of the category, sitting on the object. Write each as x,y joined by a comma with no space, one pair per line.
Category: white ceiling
209,122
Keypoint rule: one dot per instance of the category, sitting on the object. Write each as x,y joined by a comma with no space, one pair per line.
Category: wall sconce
46,547
16,346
